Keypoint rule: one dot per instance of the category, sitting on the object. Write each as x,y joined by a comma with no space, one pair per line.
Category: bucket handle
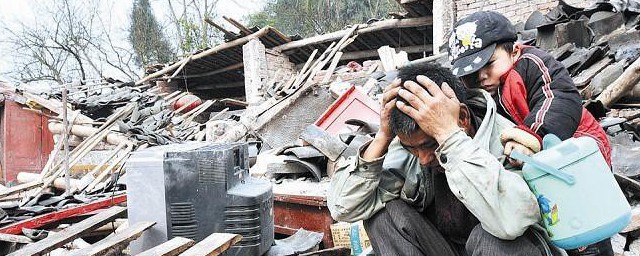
567,178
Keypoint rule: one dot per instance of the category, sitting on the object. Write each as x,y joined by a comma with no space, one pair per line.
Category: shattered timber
256,126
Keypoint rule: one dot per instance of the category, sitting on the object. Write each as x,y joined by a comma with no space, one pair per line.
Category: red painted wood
352,104
26,141
41,220
292,212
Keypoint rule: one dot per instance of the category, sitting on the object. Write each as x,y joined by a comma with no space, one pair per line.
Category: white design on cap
468,68
464,38
477,60
455,71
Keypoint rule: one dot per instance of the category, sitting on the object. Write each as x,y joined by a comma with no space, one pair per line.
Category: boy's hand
511,146
435,110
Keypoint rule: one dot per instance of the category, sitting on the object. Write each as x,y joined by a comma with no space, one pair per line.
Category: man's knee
481,242
395,215
477,237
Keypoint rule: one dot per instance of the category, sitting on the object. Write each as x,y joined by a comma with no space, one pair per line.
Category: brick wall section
278,61
515,10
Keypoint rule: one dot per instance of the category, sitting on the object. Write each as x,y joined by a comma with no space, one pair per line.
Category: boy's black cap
474,39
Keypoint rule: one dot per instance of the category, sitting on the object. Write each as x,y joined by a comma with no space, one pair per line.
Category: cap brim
472,63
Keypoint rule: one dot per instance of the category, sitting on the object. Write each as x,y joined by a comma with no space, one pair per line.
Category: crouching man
432,181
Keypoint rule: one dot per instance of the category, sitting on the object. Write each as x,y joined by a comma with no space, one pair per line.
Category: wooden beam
332,67
54,106
217,86
215,72
87,131
374,53
86,145
48,218
19,188
283,36
233,102
184,63
256,117
226,32
364,28
216,49
69,234
237,24
172,247
427,59
117,163
59,183
213,245
15,239
621,86
115,244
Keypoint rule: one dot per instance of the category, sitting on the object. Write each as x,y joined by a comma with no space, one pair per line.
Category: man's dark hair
400,122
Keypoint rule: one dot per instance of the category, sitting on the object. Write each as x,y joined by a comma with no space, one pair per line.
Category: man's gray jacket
499,198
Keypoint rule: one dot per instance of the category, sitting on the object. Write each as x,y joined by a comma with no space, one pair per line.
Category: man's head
481,49
409,133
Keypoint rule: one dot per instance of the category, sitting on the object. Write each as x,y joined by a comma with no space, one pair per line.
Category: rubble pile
303,123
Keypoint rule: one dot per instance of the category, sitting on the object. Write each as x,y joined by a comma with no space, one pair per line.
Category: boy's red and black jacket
540,97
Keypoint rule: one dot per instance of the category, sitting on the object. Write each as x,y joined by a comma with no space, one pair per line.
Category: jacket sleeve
359,189
553,99
499,198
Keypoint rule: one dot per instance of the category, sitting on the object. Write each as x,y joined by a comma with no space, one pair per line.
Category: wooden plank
44,219
366,54
175,98
115,244
376,26
90,176
86,131
332,67
86,145
237,25
59,183
119,161
214,244
216,49
19,188
69,234
184,63
215,72
15,239
55,107
172,247
173,94
387,57
226,32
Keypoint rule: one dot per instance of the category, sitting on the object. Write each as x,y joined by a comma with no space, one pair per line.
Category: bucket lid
561,155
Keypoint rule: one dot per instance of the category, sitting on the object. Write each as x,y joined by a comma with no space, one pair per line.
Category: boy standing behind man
530,87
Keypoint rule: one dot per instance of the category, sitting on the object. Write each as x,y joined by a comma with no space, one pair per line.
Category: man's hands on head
435,110
388,103
380,143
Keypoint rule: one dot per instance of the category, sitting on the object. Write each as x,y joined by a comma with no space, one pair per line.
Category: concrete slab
574,31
